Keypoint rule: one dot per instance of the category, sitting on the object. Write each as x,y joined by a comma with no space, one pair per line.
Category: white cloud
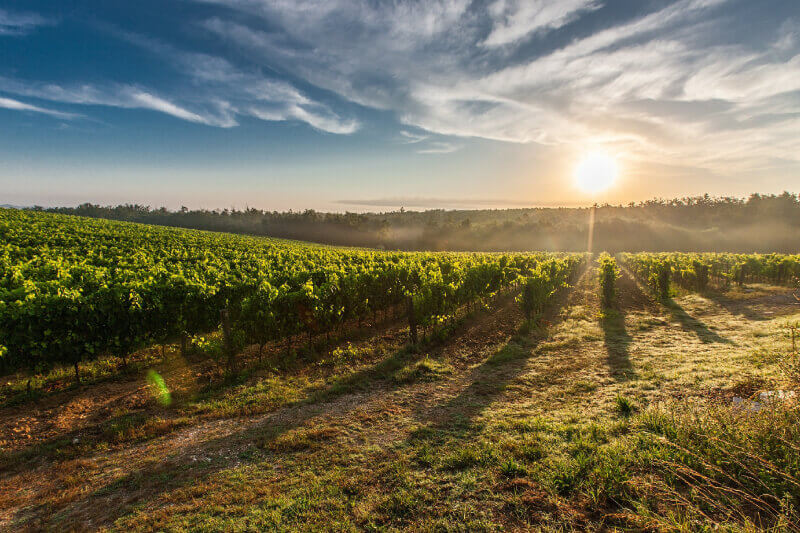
122,96
20,23
16,105
439,147
516,19
413,138
148,101
218,94
666,86
322,120
239,92
252,96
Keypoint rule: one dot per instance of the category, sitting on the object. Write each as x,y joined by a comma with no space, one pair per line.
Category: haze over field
245,280
363,106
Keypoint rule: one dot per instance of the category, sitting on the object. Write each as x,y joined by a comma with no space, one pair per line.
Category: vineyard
699,272
188,380
73,289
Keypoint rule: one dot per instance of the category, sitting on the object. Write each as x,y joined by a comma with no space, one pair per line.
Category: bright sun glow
596,172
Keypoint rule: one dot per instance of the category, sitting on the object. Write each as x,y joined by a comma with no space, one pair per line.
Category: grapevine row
699,271
73,289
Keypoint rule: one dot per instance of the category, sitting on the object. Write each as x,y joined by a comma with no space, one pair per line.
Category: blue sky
369,105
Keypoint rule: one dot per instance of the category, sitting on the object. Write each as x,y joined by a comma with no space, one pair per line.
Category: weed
624,406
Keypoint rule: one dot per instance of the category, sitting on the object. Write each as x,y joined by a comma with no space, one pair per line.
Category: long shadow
693,325
492,377
617,341
687,322
84,440
453,421
743,308
180,470
77,442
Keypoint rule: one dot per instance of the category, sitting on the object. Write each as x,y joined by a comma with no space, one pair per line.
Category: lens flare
159,388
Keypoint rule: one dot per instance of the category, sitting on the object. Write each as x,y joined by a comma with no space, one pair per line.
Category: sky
367,105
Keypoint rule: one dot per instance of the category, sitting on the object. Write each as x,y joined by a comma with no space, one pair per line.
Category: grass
426,369
14,387
625,406
503,425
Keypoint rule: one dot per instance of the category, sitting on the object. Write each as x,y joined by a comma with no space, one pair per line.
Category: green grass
622,420
426,369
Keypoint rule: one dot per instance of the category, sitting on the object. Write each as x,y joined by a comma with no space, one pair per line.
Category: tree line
759,223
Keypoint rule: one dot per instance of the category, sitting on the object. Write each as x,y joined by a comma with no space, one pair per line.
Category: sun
596,172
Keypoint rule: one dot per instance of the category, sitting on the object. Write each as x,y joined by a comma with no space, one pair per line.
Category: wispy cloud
220,92
12,23
409,137
148,101
516,19
666,85
16,105
426,143
439,147
662,82
114,95
242,92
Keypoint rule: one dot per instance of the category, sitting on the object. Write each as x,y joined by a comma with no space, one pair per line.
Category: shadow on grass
693,325
742,307
450,435
88,439
196,463
617,341
269,436
492,377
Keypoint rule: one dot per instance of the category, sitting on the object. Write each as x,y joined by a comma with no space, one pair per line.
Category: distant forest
760,223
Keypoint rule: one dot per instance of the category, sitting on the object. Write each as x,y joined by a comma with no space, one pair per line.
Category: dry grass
504,425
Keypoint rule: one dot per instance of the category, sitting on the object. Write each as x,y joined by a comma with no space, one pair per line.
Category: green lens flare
159,388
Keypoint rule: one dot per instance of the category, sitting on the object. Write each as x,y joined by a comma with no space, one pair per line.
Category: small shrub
565,477
531,451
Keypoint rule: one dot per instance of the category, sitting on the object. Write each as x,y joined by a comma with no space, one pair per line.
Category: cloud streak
16,24
516,19
241,92
220,93
16,105
466,71
662,83
439,147
114,95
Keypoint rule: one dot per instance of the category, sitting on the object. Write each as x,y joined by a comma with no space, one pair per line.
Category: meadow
181,380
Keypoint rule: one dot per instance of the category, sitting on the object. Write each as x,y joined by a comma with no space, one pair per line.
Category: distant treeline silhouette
760,223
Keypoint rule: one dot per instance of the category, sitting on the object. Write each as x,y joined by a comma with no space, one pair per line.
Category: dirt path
74,412
71,487
573,366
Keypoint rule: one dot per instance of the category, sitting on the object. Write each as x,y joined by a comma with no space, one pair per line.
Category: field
543,392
